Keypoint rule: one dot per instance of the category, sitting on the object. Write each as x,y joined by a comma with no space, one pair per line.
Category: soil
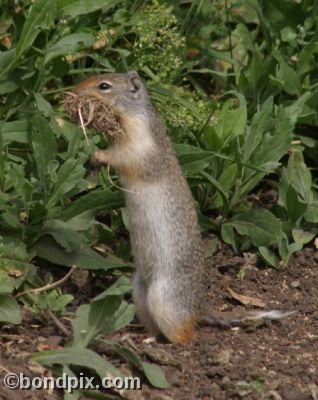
272,360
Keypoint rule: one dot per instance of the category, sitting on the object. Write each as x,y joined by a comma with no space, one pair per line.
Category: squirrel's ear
134,81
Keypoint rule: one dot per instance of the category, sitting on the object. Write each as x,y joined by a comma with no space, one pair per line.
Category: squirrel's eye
104,86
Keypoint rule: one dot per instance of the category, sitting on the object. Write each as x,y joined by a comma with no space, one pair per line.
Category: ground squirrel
168,287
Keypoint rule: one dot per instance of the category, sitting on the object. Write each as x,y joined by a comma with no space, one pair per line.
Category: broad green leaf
82,222
226,181
287,76
16,131
107,313
6,58
232,121
268,256
69,176
94,201
44,146
299,175
302,237
22,185
83,257
121,287
9,309
295,110
282,13
59,304
260,225
7,283
306,57
77,356
69,44
123,316
75,395
74,8
311,214
41,17
14,259
192,159
43,105
153,373
2,160
296,208
219,188
64,235
260,124
92,319
228,235
7,86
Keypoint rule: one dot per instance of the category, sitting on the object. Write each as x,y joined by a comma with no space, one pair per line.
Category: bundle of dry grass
91,112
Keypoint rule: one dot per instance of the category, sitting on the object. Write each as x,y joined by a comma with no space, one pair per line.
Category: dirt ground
276,360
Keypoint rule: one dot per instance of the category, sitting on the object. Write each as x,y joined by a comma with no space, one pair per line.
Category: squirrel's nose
85,87
80,89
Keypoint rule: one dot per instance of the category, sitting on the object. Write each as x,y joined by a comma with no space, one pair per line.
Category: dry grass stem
92,113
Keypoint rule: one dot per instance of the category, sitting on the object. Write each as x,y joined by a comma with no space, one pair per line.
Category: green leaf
289,198
295,207
220,189
90,320
123,316
77,356
41,17
299,176
311,214
44,146
9,309
16,131
69,44
259,125
268,256
232,121
155,375
8,86
107,313
302,237
59,304
43,106
6,58
287,76
227,181
83,257
14,259
69,175
94,201
260,225
121,287
228,235
74,8
153,372
64,235
7,283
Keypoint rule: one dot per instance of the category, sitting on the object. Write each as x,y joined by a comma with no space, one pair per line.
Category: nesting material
92,113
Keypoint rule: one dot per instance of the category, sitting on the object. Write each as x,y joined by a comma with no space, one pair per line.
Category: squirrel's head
124,92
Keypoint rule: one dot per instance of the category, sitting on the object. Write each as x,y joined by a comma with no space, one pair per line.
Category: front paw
99,158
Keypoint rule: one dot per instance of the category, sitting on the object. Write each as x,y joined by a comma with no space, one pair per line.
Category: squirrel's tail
228,320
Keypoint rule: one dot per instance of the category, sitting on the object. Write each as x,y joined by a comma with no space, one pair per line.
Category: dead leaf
14,273
246,300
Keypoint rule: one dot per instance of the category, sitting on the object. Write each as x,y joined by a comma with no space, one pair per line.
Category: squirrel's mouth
92,113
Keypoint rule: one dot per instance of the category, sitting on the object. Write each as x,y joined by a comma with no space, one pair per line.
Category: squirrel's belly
161,239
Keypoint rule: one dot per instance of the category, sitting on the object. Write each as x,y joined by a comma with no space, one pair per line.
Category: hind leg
172,317
140,293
